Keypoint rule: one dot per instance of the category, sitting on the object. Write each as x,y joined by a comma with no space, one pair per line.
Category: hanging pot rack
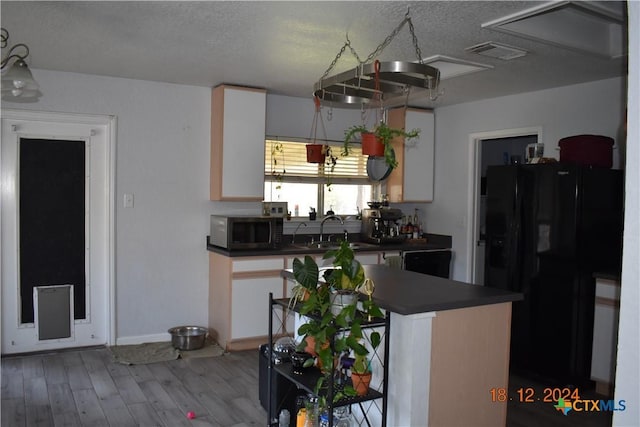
357,86
395,79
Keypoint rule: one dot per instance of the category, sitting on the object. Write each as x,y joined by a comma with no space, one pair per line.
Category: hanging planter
376,142
372,145
315,153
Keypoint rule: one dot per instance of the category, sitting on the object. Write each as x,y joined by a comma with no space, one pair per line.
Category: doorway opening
491,148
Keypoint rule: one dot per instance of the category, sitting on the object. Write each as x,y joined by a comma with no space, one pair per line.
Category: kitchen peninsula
449,348
241,280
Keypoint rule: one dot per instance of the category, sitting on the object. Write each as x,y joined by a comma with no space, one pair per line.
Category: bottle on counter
416,224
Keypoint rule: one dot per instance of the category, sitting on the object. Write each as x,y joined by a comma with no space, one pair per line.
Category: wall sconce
18,84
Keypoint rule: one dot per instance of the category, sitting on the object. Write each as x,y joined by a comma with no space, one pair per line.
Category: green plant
330,161
385,135
277,170
360,364
341,333
348,274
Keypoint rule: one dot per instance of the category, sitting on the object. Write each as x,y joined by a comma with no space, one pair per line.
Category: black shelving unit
308,380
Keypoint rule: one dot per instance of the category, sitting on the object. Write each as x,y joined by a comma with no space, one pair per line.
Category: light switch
128,200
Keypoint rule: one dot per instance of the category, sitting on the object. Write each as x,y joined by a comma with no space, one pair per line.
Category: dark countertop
435,242
406,292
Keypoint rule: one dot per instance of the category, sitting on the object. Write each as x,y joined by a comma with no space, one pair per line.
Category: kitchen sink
330,245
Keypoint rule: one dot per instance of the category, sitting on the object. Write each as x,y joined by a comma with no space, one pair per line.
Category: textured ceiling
285,46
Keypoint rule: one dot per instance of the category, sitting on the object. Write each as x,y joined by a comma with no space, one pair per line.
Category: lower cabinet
237,290
238,287
248,317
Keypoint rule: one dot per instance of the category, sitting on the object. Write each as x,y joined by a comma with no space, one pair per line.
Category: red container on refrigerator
587,150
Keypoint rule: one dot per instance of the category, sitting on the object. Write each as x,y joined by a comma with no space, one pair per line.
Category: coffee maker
381,225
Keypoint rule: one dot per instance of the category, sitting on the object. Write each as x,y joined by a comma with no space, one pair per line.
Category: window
288,177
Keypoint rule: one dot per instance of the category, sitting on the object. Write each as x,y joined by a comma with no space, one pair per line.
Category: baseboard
143,339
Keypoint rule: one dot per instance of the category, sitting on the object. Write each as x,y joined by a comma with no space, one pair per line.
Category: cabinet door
412,180
249,314
237,143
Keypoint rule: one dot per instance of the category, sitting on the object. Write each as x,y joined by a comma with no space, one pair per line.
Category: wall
163,159
595,107
628,371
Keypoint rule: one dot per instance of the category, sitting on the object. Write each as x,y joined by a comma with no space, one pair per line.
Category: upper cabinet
238,117
412,180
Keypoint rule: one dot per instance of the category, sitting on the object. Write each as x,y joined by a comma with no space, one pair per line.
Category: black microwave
246,232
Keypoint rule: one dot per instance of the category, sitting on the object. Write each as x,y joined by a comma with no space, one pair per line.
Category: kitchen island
449,349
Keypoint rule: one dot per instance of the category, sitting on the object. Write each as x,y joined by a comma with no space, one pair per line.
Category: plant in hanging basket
315,153
383,134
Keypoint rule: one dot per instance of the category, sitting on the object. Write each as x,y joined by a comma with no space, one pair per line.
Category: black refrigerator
549,227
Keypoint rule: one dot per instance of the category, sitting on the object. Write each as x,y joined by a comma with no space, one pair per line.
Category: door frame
110,123
473,202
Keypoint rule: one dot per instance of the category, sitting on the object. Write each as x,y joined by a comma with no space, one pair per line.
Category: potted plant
345,279
361,375
306,274
379,138
330,334
315,153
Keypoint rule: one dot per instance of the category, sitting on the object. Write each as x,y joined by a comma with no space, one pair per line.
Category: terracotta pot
311,345
361,382
315,153
372,145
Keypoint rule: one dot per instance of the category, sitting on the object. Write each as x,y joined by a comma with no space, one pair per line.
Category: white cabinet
238,121
412,180
248,315
238,289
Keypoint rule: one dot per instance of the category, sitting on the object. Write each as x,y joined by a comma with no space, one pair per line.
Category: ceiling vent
497,50
453,67
594,27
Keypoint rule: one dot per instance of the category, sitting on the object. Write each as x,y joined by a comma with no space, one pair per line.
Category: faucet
293,238
328,217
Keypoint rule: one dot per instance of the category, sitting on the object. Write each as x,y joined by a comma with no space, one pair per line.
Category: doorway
57,230
491,148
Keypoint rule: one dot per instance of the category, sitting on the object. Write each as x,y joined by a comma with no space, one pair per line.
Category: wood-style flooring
86,388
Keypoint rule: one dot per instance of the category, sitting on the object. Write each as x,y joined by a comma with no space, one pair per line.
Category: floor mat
155,352
140,354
